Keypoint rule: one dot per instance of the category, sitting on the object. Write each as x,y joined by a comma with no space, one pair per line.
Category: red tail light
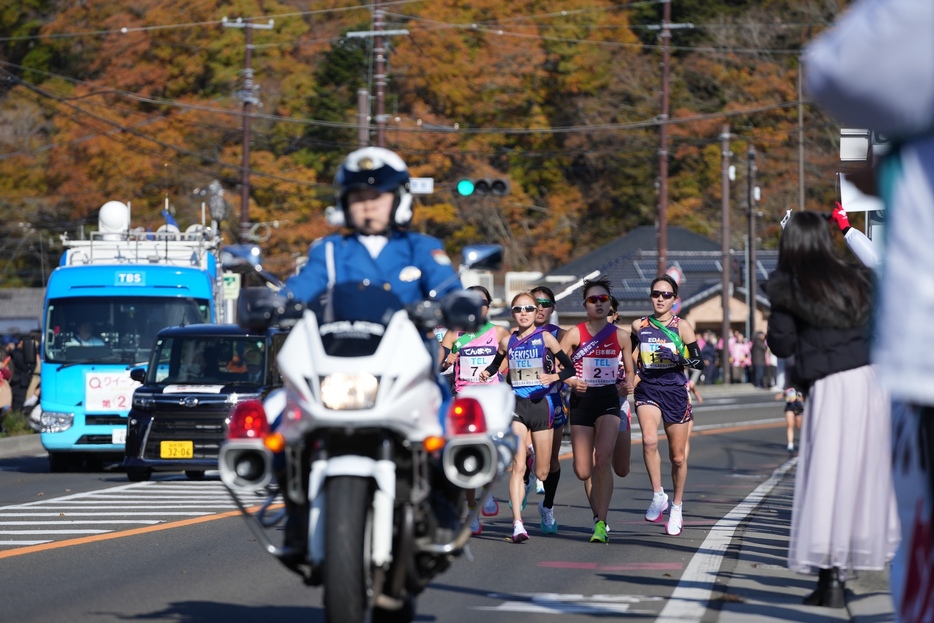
248,421
466,417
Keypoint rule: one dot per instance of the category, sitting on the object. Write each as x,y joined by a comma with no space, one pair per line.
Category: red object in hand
839,217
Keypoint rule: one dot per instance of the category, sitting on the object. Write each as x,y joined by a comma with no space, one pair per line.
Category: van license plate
176,449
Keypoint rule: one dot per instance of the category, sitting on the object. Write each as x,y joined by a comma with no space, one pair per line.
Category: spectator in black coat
758,353
25,361
709,355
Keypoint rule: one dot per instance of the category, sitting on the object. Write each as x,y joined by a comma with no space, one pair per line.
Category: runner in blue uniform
532,353
545,299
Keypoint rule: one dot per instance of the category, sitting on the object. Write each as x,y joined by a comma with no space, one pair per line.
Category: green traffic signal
465,188
481,187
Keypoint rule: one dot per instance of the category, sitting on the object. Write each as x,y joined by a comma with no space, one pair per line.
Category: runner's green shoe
599,533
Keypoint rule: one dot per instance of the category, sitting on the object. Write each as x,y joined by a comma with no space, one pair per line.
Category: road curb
20,445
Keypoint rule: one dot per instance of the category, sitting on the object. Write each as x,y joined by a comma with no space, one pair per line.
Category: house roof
638,239
20,309
631,263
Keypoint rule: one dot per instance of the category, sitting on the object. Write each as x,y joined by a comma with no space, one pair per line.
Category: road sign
422,185
231,286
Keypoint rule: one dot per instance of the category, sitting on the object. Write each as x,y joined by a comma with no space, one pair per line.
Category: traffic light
492,186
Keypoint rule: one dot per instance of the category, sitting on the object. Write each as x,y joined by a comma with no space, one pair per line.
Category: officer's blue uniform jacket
410,265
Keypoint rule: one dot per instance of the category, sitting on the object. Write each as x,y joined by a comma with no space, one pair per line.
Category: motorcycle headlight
349,392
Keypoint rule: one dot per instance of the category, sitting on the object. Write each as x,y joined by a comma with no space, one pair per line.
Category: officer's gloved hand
839,217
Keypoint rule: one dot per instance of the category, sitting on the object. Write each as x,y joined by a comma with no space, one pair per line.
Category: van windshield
113,330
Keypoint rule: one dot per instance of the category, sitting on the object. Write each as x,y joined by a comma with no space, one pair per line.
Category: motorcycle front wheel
347,571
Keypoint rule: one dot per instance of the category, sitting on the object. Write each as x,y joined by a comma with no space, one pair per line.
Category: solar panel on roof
700,266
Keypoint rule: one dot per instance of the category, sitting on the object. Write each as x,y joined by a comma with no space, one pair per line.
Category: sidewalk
760,588
20,445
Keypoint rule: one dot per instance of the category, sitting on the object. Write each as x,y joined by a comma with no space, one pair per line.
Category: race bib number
525,372
600,371
648,355
471,367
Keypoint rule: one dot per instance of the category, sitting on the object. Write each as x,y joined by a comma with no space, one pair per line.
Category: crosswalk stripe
119,509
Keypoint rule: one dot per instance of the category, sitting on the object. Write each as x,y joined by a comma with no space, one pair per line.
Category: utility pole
800,136
379,76
751,268
363,114
248,95
725,155
666,27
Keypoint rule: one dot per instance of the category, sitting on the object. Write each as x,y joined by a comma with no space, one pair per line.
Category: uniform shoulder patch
441,257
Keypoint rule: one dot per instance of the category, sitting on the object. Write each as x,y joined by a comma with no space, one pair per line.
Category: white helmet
377,168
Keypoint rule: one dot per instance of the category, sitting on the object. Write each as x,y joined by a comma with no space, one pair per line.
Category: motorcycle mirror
482,256
256,308
240,257
463,310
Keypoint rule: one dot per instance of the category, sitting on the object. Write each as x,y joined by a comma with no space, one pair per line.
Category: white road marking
559,603
77,521
121,514
117,508
688,602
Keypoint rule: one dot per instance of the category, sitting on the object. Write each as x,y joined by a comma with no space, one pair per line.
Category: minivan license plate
176,449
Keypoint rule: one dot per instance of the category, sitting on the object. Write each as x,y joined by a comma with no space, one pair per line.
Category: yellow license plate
176,449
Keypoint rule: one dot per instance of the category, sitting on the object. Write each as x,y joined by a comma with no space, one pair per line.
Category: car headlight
349,392
56,422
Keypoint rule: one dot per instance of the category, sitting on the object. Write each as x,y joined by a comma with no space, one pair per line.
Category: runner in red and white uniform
595,347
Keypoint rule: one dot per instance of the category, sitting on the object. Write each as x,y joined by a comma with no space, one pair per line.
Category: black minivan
196,375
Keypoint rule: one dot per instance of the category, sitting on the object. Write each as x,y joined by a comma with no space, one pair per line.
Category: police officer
373,200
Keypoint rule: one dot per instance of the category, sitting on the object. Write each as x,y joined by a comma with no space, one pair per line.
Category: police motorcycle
372,482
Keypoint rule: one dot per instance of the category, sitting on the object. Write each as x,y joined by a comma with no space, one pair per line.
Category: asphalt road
182,555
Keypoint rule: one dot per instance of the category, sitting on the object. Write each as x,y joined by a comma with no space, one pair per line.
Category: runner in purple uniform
665,345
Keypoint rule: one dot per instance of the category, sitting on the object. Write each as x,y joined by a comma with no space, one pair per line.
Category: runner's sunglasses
658,294
597,298
523,308
545,303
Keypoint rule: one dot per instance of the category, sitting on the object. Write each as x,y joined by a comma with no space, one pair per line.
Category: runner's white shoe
659,505
675,521
549,523
519,535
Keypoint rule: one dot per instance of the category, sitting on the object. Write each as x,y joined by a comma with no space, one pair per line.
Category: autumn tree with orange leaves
137,101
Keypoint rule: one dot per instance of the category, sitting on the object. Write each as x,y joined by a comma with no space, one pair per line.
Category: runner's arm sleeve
444,357
694,359
565,361
493,368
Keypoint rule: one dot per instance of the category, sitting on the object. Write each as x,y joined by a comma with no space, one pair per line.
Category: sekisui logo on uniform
129,279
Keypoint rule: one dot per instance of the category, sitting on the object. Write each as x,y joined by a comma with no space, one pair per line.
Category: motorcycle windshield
352,318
